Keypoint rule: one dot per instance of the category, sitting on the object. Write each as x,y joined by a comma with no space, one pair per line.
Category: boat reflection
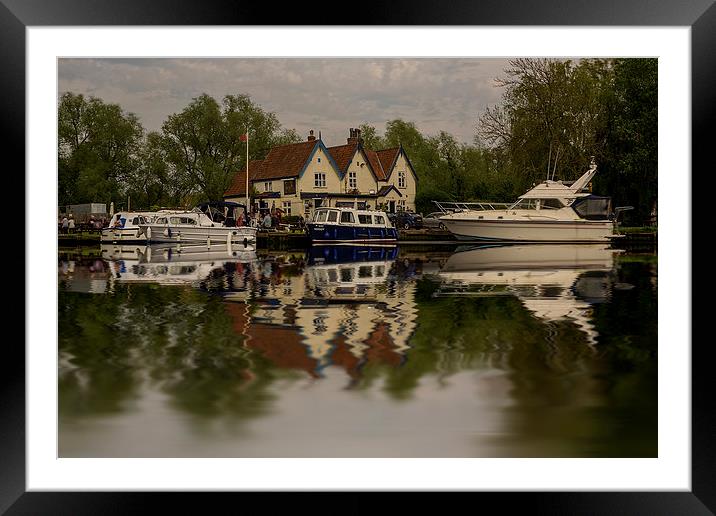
169,264
344,308
554,282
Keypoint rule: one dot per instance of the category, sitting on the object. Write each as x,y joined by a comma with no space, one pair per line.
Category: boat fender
168,232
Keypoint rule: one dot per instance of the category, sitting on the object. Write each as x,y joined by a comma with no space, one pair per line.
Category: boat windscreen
593,207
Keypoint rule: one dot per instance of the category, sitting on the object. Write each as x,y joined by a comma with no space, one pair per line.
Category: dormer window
352,180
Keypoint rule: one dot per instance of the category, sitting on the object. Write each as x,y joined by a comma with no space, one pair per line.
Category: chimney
310,136
353,135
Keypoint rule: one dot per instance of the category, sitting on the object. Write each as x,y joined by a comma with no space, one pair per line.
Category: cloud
329,95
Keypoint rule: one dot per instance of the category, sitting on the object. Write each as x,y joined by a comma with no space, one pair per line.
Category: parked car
431,221
406,220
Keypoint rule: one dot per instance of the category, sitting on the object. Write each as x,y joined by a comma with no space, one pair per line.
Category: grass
637,229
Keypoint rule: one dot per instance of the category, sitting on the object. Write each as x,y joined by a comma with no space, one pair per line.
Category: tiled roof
387,159
375,164
342,155
387,188
238,186
285,161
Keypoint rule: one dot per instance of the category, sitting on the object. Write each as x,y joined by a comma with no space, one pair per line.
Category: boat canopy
220,204
562,190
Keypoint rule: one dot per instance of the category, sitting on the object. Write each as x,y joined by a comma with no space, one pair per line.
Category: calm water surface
523,351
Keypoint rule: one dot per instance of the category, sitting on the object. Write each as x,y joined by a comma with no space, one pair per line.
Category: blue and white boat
348,225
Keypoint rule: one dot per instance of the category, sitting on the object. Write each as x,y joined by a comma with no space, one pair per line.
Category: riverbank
631,239
637,235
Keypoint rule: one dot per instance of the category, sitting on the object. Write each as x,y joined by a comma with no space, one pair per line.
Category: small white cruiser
213,222
124,226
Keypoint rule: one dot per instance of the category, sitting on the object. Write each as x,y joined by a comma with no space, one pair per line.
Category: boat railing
452,207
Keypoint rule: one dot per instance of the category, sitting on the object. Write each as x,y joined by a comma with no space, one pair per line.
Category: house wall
408,192
365,179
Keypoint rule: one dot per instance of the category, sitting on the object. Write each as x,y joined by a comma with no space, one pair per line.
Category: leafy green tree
97,149
203,143
371,138
550,119
632,137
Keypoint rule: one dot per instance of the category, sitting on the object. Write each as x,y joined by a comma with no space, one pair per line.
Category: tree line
553,116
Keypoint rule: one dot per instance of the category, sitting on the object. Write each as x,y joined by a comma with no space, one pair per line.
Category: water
524,351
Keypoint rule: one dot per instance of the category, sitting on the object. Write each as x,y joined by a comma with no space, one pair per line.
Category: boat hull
337,233
172,234
530,231
123,235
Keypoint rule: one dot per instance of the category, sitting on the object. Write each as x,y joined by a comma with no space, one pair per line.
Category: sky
326,95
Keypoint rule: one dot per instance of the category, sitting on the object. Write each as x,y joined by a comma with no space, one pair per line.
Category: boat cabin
350,225
348,216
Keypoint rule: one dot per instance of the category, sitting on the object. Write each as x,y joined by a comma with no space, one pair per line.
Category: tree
632,137
371,139
203,143
97,149
551,117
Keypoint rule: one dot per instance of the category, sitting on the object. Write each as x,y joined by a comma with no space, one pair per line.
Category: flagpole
246,211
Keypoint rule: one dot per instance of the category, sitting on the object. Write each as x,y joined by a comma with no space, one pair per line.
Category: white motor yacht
553,211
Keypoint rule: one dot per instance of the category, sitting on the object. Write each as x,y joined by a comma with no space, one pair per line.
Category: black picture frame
16,15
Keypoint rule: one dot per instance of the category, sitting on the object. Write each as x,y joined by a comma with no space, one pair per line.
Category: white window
352,180
267,186
287,208
401,179
401,205
319,180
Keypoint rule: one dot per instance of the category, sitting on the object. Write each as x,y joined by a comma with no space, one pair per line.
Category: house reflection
333,313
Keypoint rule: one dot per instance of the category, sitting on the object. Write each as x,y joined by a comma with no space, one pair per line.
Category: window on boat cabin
365,219
347,216
135,221
379,219
332,216
161,220
401,179
554,204
319,180
320,216
352,180
267,186
346,274
286,206
365,271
